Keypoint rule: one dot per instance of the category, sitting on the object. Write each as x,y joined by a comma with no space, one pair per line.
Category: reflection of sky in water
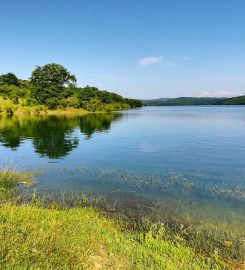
148,148
205,144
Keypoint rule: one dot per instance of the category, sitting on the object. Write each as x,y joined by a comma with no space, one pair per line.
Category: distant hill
235,101
188,101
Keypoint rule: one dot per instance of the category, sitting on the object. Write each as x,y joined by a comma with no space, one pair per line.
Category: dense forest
189,101
52,86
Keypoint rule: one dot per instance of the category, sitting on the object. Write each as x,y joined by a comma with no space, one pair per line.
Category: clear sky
138,48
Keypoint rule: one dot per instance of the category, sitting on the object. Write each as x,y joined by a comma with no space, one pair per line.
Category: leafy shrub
39,108
70,102
9,79
8,107
15,100
29,102
51,103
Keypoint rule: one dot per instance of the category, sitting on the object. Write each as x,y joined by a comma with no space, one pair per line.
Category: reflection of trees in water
10,132
52,136
97,123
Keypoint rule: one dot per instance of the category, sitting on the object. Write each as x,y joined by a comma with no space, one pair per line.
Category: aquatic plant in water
10,178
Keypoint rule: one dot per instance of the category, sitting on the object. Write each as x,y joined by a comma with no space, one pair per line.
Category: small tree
9,79
49,83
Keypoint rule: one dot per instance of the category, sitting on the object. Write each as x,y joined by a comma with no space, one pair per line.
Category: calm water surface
178,164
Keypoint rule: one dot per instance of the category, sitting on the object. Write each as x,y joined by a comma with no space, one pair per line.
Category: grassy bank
37,238
38,235
7,107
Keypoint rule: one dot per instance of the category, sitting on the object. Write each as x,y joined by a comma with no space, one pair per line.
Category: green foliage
30,101
15,100
70,102
92,105
93,99
52,74
134,103
14,92
8,107
51,103
39,108
9,79
52,85
8,91
49,83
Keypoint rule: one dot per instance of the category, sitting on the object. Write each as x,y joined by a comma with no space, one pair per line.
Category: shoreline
184,247
32,111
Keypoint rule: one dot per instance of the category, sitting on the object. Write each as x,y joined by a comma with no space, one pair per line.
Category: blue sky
138,48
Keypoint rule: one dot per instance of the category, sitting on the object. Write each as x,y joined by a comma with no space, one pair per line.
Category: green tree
49,83
9,79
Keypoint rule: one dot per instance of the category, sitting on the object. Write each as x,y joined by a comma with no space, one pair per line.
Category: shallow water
177,164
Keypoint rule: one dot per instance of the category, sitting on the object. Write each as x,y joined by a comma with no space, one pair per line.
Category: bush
9,79
70,102
15,100
52,103
39,108
8,107
92,105
26,110
29,102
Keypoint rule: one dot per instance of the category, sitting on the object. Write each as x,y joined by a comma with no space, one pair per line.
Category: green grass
33,237
10,180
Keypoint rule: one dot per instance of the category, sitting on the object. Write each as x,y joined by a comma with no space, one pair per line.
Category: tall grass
10,179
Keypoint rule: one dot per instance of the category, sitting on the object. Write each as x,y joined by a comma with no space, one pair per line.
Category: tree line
53,86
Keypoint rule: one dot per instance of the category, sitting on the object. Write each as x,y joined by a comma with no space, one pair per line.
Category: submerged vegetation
53,87
39,233
167,181
10,179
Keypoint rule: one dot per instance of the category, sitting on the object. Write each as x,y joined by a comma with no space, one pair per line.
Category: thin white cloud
150,60
181,58
222,93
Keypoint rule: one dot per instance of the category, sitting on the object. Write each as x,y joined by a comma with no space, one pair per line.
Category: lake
174,164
